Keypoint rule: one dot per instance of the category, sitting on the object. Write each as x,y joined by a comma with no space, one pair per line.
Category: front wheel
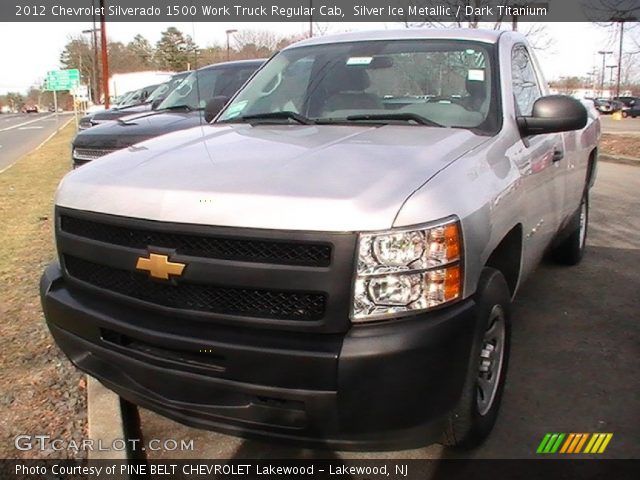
474,416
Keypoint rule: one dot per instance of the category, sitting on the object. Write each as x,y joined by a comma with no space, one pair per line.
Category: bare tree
607,11
535,32
568,85
258,39
473,13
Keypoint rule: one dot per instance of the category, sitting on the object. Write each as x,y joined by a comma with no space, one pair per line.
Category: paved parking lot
575,354
626,126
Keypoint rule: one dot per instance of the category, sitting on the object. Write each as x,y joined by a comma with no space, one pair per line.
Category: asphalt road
575,352
20,133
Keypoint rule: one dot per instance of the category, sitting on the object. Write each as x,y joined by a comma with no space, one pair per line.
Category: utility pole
620,58
604,57
105,59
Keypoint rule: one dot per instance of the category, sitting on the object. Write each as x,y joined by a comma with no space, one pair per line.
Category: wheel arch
507,257
592,166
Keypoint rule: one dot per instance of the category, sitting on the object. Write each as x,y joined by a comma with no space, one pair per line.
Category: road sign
62,79
81,92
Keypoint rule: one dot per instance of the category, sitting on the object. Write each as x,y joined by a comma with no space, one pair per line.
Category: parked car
122,110
607,106
332,260
183,108
627,104
633,111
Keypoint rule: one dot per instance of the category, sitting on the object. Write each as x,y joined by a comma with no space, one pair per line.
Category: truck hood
327,178
136,128
114,113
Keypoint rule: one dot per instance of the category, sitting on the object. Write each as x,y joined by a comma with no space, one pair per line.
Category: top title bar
460,12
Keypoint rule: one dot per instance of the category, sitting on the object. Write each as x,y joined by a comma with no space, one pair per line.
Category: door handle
558,154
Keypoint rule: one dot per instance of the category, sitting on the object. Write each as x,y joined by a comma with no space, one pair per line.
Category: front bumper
378,386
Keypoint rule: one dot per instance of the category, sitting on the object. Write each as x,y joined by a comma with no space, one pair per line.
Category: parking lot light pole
604,54
229,33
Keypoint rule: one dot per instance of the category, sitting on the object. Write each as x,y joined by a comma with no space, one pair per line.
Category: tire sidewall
467,428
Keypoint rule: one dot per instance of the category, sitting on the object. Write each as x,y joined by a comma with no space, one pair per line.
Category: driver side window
525,84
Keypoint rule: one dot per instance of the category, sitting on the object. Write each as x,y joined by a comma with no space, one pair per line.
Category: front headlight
405,271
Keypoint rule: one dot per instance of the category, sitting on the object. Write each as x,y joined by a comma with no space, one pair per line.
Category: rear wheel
571,250
473,418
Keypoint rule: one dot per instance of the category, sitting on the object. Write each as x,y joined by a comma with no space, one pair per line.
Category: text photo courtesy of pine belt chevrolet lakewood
332,259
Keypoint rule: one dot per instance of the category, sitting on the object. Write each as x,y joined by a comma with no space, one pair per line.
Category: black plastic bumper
379,386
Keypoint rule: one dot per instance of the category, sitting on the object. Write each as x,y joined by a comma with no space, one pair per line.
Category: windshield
201,86
429,82
124,98
166,88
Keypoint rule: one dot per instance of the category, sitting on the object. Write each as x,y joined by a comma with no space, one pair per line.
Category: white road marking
35,127
39,146
25,123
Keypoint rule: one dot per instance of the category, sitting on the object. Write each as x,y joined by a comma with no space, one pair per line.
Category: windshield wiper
274,116
409,117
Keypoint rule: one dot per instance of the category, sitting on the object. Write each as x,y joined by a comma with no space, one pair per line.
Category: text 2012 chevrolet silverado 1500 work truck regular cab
331,260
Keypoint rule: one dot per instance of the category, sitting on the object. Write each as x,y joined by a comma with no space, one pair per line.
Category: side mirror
214,106
156,103
554,113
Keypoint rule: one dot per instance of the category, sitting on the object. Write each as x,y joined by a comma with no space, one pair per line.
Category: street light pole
94,69
604,57
229,32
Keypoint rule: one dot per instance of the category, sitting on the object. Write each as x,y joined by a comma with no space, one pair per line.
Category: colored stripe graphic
544,441
598,443
567,443
573,443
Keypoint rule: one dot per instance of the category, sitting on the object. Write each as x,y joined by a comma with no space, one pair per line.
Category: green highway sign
62,79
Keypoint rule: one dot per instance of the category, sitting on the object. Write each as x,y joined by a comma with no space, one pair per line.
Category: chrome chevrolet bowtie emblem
159,266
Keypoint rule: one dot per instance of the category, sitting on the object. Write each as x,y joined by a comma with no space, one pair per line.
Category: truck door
543,158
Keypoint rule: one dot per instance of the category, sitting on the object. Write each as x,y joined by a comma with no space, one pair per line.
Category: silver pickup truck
332,259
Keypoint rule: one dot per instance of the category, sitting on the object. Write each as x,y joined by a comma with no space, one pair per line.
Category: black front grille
226,248
289,305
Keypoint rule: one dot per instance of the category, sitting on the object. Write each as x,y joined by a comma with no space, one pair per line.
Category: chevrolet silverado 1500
332,259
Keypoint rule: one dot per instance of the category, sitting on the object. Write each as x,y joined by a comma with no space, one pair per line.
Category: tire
473,418
625,114
571,250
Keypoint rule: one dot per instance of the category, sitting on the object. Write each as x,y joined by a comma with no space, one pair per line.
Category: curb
619,159
106,425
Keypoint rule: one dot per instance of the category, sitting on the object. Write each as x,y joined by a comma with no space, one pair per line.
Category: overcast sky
28,51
